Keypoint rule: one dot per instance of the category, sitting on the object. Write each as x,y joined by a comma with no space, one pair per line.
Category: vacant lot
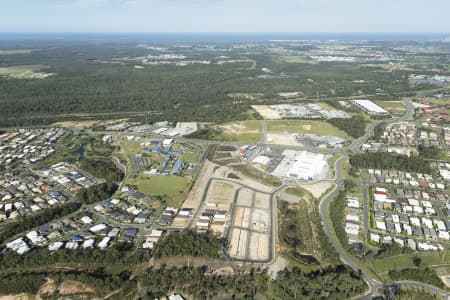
266,112
172,189
435,259
25,72
394,107
264,178
305,127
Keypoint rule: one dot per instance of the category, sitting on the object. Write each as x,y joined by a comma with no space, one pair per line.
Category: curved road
374,284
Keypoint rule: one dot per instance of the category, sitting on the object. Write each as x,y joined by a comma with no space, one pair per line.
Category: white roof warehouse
370,107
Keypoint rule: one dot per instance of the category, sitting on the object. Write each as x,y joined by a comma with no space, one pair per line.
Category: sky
301,16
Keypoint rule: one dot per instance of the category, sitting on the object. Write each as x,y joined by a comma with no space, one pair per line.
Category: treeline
338,282
337,216
200,284
21,283
97,193
118,253
188,243
100,282
425,275
354,127
195,92
28,222
102,168
431,152
390,161
301,230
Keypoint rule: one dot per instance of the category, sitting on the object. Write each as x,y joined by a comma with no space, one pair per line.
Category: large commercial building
303,165
370,107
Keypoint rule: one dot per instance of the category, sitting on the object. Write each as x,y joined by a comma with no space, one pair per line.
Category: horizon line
221,32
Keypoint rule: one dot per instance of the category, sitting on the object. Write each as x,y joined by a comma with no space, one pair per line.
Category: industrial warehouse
370,107
301,165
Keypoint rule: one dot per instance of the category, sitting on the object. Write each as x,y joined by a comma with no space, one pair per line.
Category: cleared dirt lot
262,201
282,139
221,193
317,189
238,243
266,112
242,217
245,197
259,243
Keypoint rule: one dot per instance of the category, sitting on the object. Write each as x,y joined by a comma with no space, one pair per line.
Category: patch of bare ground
22,296
48,288
213,264
278,265
71,287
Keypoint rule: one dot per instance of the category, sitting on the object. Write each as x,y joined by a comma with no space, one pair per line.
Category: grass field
405,261
258,175
189,157
131,147
394,107
238,137
305,127
172,189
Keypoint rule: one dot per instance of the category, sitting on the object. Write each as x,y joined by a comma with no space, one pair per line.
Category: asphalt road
374,284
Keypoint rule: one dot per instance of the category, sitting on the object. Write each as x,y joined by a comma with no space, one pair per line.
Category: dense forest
388,161
354,127
338,282
118,253
337,216
424,275
100,79
202,285
188,243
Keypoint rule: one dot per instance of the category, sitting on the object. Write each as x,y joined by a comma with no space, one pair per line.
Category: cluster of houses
69,177
168,215
151,239
125,210
352,221
437,80
447,136
73,233
27,146
171,163
411,214
24,195
404,137
444,170
400,134
406,179
212,217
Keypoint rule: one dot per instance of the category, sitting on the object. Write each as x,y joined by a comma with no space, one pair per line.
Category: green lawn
189,157
305,127
405,261
394,107
238,137
172,189
131,147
